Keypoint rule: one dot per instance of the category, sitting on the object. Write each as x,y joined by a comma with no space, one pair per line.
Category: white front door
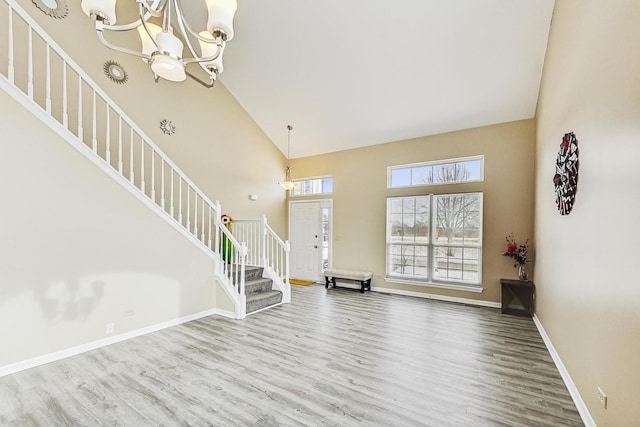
305,235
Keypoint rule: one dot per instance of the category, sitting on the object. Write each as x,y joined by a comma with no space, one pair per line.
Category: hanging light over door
288,183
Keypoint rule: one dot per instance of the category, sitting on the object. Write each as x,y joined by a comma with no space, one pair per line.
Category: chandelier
288,183
157,24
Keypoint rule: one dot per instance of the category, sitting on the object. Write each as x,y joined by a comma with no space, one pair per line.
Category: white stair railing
45,80
268,250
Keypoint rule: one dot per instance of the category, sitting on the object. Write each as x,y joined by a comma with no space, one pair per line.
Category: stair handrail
91,148
266,249
286,249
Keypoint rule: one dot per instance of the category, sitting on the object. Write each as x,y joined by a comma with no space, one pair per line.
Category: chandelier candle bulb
221,14
148,44
105,9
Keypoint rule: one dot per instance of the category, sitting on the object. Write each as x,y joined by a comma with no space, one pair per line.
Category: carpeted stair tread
250,273
261,300
258,285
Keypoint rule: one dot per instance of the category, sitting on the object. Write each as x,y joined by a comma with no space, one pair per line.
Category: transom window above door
311,186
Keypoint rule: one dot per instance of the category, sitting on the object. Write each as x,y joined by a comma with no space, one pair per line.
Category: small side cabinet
517,297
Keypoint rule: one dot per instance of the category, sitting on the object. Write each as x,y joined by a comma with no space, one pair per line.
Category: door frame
324,203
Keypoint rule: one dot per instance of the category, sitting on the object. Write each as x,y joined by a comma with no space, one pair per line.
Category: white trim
83,348
468,301
322,203
564,373
453,286
225,313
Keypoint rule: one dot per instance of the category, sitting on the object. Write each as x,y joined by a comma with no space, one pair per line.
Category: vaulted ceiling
353,73
348,74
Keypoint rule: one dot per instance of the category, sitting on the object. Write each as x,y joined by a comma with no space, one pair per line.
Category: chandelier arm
145,13
195,59
155,12
182,24
100,34
127,27
145,26
199,80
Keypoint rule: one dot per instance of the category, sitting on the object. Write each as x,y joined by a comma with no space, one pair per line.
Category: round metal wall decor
115,72
55,8
167,127
566,178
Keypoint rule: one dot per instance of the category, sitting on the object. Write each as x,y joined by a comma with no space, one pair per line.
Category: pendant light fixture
288,183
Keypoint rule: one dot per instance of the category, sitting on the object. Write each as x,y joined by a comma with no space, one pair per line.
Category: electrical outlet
128,313
110,328
602,398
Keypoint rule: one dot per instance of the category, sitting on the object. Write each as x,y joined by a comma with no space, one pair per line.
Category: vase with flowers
519,254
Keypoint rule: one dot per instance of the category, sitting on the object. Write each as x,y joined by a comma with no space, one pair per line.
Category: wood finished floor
331,358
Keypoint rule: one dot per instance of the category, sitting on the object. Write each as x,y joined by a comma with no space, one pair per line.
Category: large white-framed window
312,186
435,238
449,171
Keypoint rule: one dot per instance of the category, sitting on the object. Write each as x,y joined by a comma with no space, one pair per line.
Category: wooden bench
364,277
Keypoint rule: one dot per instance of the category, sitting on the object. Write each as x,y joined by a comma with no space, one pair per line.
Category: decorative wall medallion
54,8
167,127
115,72
566,178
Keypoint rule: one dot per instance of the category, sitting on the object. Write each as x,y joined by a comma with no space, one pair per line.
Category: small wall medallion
115,72
55,8
167,127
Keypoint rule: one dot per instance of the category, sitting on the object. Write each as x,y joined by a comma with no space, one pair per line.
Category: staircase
259,290
45,80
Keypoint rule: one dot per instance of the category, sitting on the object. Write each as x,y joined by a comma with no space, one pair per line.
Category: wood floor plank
331,358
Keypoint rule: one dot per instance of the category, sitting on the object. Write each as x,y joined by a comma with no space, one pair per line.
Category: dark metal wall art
566,178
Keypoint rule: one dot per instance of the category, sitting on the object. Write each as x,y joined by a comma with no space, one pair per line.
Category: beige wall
588,293
360,192
77,251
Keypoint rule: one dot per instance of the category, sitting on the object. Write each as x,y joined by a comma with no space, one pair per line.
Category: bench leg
328,281
363,284
369,285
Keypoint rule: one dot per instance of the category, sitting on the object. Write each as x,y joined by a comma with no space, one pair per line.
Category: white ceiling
351,73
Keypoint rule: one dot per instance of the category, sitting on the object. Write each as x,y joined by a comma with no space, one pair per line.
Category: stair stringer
278,284
239,301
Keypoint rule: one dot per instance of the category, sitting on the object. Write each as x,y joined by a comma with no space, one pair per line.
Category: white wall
588,292
77,250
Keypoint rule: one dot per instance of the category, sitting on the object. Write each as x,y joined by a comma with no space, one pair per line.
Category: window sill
457,287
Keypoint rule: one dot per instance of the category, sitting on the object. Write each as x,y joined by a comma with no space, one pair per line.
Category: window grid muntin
413,171
472,277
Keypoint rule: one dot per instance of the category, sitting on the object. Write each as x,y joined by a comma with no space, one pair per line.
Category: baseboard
225,313
73,351
425,295
573,390
265,308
